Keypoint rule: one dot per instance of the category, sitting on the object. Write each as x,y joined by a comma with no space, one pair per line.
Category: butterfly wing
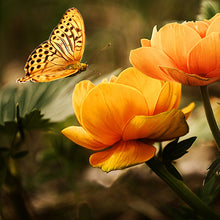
59,56
68,37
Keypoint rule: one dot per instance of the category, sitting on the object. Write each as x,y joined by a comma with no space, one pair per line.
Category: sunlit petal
214,26
205,55
148,59
108,108
199,26
164,126
188,110
79,136
113,78
80,92
145,43
121,155
169,98
149,87
176,40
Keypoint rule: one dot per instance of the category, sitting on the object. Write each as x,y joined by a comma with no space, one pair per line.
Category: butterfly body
79,66
59,56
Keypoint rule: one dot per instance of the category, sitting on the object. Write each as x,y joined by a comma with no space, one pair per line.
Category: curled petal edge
188,110
123,154
161,127
186,78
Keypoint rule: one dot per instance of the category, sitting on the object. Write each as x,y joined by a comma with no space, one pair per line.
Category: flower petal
199,26
176,40
209,21
205,55
161,127
214,74
188,110
80,92
149,87
169,98
187,79
79,136
145,43
122,155
107,109
148,59
214,26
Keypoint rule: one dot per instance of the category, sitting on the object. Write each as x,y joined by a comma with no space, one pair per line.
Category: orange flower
121,119
188,53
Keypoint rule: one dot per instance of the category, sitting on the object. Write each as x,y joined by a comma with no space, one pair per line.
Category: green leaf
172,169
208,9
34,95
209,191
7,104
34,120
169,148
213,169
175,150
43,95
31,96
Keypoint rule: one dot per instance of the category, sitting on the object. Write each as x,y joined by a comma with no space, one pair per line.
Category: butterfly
59,56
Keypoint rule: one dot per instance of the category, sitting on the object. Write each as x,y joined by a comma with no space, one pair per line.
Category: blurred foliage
209,9
214,169
42,167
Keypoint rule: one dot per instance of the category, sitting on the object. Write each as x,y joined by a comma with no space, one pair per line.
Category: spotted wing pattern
59,56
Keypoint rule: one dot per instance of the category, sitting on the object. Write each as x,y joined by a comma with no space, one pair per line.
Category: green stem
210,116
182,190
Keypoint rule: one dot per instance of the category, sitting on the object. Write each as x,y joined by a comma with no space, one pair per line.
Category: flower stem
209,115
182,190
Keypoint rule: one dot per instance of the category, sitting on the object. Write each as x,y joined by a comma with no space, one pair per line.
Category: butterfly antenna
98,52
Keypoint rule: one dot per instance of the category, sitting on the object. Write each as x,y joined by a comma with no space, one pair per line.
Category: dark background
55,175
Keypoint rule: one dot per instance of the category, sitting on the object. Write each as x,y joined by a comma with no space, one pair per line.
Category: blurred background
55,175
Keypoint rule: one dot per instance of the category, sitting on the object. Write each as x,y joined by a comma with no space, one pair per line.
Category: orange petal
169,98
214,26
149,87
79,95
148,59
176,40
188,109
205,55
122,155
199,26
187,79
164,126
113,78
108,108
79,136
145,43
214,74
212,19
